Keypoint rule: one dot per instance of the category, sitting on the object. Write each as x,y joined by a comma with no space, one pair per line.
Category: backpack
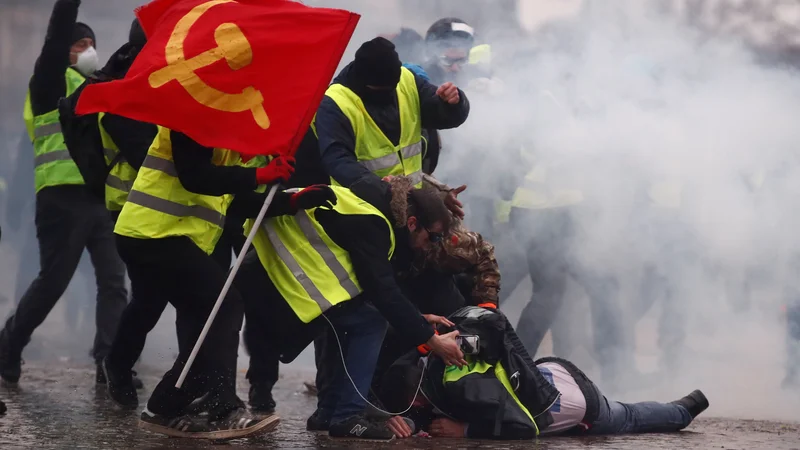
83,141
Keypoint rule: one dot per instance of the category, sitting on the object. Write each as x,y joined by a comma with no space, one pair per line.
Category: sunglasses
433,236
448,61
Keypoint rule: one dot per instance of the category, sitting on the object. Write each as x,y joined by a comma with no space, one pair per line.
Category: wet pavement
57,406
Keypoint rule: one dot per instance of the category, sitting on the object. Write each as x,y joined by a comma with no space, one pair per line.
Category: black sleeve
247,205
131,136
48,84
435,112
433,150
376,192
199,175
337,145
367,240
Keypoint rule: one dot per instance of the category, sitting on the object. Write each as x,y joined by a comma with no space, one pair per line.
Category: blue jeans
645,417
361,333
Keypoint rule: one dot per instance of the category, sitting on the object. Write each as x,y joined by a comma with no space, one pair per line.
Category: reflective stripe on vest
310,270
46,130
58,155
121,175
372,148
176,209
53,165
160,164
158,205
324,251
118,183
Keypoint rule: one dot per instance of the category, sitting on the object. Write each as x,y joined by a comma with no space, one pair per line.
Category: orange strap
488,305
424,349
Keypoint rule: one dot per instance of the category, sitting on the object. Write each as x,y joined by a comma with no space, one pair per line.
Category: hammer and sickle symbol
232,46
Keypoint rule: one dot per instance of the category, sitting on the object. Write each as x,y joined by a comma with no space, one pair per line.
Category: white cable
344,364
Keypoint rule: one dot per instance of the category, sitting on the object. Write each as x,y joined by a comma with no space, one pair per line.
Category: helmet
450,32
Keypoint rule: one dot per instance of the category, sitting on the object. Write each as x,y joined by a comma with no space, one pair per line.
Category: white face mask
88,61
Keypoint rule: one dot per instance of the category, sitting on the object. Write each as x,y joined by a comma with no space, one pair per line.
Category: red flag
246,75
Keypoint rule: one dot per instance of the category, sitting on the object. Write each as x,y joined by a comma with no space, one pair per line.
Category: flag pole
227,287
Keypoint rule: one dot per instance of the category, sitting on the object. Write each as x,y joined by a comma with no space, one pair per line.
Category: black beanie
377,64
136,36
80,31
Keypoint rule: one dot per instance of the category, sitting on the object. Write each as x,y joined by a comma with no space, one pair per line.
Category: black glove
313,197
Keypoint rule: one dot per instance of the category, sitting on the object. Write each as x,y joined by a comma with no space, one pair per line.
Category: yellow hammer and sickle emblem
232,46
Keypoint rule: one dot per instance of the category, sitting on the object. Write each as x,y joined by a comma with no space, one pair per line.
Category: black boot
695,403
3,408
10,360
120,386
260,398
100,378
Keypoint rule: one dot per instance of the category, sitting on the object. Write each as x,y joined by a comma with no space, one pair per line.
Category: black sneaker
359,428
241,423
695,403
100,378
317,424
10,362
120,386
260,398
3,408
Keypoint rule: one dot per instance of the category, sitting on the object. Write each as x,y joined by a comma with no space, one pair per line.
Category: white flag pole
227,286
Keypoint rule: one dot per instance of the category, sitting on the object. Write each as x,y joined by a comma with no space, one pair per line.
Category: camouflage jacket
465,251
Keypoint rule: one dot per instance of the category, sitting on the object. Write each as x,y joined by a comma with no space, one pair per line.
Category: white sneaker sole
265,425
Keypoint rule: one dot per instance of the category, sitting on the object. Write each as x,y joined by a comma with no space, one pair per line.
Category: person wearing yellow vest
69,218
503,394
336,260
369,124
166,233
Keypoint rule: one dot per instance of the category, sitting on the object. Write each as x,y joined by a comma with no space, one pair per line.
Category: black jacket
47,84
367,240
337,139
480,400
132,137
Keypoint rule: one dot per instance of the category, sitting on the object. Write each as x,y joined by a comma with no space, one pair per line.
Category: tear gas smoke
679,140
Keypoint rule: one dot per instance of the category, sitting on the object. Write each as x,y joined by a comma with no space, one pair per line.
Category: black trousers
272,331
69,219
176,271
140,317
431,292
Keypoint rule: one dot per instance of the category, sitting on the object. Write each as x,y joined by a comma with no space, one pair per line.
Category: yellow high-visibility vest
121,177
373,149
308,268
159,206
53,166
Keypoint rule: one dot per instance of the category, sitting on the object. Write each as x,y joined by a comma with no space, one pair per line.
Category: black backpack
83,141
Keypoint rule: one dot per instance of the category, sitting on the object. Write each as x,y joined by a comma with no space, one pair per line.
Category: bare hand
447,348
447,428
433,319
399,427
453,204
449,93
